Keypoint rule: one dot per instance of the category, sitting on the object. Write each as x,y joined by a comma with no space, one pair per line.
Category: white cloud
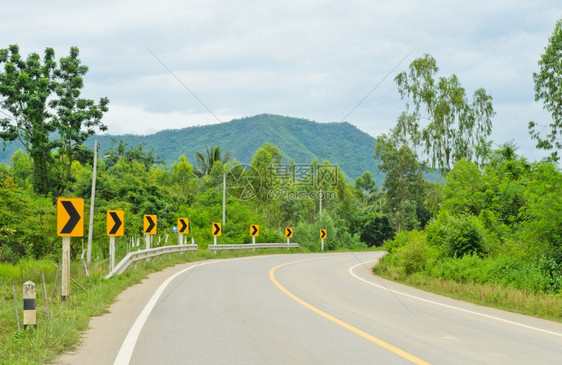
128,119
305,58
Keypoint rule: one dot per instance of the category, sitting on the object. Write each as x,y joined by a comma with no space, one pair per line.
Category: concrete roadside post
29,305
65,269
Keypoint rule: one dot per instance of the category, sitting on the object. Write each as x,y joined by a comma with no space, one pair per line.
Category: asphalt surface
306,309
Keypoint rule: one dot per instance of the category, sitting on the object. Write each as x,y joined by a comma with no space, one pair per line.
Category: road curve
323,309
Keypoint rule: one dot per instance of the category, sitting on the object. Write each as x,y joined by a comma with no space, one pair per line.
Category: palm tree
207,160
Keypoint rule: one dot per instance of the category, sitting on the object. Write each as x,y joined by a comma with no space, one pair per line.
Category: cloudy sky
311,59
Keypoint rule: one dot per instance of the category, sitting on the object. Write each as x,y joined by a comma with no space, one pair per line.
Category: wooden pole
16,307
56,281
46,298
75,282
92,200
84,264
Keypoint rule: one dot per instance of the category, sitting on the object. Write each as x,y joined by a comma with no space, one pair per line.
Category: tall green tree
365,187
43,100
26,85
76,118
440,118
548,89
404,184
129,154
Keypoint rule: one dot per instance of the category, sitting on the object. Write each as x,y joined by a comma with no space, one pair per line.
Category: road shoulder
102,341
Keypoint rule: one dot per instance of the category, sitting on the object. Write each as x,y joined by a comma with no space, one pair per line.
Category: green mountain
299,140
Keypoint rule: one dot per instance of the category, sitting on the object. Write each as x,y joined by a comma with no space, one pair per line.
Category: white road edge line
450,306
126,350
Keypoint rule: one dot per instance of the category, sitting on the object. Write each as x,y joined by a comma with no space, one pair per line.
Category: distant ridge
300,140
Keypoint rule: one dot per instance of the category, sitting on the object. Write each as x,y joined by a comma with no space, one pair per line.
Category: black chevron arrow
323,233
151,224
74,217
117,224
254,230
183,226
288,232
217,229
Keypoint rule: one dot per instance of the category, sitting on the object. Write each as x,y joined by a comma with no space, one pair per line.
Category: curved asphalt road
323,309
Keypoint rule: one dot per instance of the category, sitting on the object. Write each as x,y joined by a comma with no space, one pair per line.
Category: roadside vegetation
495,235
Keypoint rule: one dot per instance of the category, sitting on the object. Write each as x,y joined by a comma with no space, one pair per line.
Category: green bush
459,236
376,231
542,276
400,240
411,253
467,269
308,235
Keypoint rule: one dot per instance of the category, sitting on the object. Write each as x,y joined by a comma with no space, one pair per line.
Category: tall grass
488,294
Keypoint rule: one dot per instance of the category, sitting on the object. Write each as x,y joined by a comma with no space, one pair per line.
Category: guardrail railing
135,256
250,246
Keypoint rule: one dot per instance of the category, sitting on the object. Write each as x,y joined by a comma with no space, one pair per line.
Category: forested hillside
299,140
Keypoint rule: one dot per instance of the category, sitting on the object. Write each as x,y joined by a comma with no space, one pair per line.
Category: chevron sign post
70,223
150,222
217,231
254,232
115,228
323,235
183,228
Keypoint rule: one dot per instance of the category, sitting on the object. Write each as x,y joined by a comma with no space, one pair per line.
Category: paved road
323,309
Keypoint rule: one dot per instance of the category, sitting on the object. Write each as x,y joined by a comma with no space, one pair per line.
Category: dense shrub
411,252
376,231
459,236
544,275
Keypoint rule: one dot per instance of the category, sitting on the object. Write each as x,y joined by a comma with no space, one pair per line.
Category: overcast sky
311,59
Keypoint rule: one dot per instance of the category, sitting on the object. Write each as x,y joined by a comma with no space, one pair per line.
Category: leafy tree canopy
548,89
456,127
404,185
42,100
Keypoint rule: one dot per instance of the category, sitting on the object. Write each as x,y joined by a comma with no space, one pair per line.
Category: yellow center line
345,325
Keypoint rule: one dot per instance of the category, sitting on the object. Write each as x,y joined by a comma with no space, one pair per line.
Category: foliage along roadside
500,226
139,186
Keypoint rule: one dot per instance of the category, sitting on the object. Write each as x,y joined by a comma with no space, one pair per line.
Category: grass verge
491,295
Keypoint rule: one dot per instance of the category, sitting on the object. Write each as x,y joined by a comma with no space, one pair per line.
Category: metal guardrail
146,254
250,246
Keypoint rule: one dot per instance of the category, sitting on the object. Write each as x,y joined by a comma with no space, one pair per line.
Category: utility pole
223,199
92,198
320,196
